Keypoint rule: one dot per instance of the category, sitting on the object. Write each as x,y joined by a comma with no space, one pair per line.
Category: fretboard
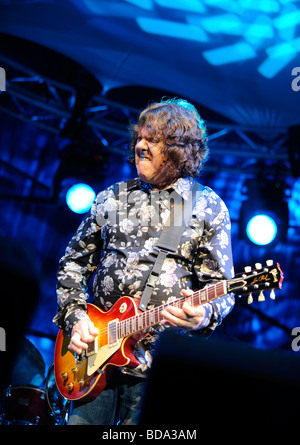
153,316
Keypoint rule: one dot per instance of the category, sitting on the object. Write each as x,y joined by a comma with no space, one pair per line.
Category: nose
142,145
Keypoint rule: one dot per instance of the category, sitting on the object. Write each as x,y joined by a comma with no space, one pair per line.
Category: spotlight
80,172
80,197
261,229
264,215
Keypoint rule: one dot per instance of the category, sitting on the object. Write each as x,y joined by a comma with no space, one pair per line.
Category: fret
127,326
157,317
152,319
147,319
203,296
140,322
134,324
144,318
196,300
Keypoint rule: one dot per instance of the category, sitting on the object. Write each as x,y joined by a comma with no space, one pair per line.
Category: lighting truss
50,105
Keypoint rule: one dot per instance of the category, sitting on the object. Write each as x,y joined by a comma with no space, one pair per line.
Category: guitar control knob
75,371
65,376
70,386
81,383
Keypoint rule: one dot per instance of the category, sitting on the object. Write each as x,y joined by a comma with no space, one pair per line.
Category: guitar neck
153,316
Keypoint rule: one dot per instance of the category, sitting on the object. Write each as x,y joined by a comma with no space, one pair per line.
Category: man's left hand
187,317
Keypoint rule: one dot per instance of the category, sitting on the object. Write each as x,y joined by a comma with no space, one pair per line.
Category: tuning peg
247,269
258,266
269,262
272,294
250,299
261,296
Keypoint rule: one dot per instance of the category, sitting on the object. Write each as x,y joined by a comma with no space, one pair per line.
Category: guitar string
204,295
121,325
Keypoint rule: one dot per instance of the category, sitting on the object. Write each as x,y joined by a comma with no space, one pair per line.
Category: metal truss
60,108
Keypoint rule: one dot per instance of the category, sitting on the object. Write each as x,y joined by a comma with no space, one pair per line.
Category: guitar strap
168,242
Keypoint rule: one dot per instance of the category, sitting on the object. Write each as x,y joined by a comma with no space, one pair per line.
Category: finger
78,342
178,312
193,311
166,319
174,320
93,330
73,348
88,332
187,292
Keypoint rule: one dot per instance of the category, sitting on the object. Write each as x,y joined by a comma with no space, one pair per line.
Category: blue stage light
287,20
80,197
221,23
169,28
183,5
145,4
259,31
266,6
272,66
229,54
264,215
261,229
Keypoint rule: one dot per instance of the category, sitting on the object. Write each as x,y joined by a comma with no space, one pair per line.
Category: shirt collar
182,186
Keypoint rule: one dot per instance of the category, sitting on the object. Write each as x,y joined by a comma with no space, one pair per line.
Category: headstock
261,278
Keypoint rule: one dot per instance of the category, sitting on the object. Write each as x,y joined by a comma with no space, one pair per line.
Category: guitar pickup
112,333
92,348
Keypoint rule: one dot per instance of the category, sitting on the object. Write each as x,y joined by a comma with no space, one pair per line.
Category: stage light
229,54
270,67
287,20
261,229
80,197
183,5
169,28
264,215
221,23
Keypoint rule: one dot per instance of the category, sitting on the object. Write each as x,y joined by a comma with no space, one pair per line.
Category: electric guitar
87,374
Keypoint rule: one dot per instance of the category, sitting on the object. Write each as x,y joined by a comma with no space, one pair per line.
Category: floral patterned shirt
116,243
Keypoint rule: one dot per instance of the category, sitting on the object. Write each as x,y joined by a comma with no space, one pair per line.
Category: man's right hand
83,333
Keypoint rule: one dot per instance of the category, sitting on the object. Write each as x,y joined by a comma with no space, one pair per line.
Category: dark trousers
119,403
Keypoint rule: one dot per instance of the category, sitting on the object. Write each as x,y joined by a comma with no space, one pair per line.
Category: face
152,165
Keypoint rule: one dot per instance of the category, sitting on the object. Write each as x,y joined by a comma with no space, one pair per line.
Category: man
169,145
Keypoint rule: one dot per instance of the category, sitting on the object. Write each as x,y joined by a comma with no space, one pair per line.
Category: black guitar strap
168,242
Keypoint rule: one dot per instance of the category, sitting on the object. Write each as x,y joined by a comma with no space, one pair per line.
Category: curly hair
177,124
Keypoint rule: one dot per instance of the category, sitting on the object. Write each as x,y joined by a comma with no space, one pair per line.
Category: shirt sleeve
214,260
76,267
